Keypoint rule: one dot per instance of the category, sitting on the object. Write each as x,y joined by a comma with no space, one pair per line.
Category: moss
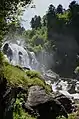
17,77
19,113
33,74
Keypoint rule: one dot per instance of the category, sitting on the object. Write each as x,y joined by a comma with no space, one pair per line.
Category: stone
45,105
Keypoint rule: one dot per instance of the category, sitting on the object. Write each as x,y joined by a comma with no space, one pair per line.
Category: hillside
14,89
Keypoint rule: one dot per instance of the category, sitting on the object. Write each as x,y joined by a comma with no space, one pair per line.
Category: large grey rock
43,104
37,95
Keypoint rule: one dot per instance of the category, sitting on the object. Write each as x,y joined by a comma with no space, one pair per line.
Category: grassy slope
17,77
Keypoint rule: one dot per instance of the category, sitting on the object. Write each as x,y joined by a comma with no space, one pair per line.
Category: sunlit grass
17,77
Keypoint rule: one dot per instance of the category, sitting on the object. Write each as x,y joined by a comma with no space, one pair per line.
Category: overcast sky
41,8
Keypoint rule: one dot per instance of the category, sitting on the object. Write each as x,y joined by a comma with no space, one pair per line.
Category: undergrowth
17,77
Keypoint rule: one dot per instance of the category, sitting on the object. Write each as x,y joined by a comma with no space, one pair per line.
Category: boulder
67,102
72,87
45,106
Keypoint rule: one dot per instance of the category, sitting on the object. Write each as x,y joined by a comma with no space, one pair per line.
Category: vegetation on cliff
9,12
17,77
19,113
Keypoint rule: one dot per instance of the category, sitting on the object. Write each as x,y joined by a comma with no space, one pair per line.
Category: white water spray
17,55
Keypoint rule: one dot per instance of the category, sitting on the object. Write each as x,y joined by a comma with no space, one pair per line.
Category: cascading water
20,56
66,86
33,61
17,55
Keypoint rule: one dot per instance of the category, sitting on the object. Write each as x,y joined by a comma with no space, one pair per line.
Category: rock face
68,103
6,101
37,95
8,97
47,106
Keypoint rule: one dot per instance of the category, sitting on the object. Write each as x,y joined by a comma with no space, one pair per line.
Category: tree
8,9
44,20
36,22
39,21
50,15
72,4
74,19
51,20
59,9
32,23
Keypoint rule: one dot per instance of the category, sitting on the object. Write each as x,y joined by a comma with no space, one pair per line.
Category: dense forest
56,33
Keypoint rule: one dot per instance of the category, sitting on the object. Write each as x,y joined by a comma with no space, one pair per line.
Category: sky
41,8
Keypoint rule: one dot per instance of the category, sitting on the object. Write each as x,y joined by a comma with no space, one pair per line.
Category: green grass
17,77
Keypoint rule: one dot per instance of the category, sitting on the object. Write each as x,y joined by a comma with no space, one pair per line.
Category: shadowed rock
7,51
44,105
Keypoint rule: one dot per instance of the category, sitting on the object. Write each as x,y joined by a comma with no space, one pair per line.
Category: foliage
18,77
36,22
33,74
56,26
1,66
19,113
74,19
59,9
71,116
8,10
36,39
37,49
51,18
76,70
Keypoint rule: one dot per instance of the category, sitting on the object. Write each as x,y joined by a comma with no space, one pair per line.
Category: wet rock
26,68
67,102
7,51
50,75
72,87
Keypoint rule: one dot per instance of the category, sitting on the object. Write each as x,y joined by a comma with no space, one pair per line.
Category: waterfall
17,55
33,61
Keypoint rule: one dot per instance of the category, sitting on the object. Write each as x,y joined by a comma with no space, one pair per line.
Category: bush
19,113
